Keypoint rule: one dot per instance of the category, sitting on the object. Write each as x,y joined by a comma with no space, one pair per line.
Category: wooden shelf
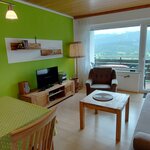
60,91
22,50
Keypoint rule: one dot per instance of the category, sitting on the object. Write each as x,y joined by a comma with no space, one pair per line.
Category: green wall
32,22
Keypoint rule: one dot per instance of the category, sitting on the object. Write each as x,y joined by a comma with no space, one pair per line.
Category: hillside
125,45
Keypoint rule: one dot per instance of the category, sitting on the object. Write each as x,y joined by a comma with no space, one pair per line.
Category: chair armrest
88,82
114,81
141,141
114,84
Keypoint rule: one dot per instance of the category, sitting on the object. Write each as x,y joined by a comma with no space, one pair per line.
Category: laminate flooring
99,132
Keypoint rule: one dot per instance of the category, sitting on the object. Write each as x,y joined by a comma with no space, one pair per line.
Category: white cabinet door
128,81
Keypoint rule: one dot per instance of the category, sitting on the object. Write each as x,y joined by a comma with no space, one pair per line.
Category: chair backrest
102,75
37,135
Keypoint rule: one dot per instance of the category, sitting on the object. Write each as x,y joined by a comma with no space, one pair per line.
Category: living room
38,23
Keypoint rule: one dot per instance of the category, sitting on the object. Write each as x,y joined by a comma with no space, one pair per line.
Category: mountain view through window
119,43
117,47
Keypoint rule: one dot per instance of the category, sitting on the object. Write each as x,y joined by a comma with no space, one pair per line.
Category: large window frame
120,61
142,45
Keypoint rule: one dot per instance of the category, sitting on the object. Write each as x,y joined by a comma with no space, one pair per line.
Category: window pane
148,44
117,47
147,61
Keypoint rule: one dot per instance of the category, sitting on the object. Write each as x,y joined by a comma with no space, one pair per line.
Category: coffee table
116,105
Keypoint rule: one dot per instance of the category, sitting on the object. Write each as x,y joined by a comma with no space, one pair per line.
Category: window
147,61
118,47
148,44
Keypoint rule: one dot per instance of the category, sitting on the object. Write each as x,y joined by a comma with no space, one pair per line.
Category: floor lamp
76,51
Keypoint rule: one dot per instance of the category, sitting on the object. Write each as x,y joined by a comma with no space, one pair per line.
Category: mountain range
114,46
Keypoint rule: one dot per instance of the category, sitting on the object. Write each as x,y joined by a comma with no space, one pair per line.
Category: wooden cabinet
50,96
128,81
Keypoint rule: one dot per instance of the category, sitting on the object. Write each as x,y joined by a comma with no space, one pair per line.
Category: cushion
141,141
100,86
102,75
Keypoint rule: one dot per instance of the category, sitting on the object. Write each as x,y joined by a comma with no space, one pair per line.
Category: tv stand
50,96
46,87
42,89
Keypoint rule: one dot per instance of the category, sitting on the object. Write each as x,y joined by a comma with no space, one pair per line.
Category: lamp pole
76,63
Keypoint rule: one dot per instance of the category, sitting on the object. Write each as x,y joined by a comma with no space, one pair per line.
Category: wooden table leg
51,146
96,111
118,126
82,116
127,111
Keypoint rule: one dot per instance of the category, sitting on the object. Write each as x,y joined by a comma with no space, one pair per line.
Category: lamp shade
10,14
76,50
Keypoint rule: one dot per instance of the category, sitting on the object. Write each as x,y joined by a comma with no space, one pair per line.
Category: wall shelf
43,49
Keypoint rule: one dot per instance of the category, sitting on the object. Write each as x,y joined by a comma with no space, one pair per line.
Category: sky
118,30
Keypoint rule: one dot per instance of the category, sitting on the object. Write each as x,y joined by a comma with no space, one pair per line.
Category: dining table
14,114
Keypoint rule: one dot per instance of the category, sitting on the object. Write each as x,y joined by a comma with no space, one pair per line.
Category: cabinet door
128,81
69,88
40,98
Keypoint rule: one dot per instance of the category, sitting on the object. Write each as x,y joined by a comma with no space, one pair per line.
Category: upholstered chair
101,79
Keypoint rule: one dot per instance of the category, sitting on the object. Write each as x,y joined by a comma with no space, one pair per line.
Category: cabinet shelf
53,94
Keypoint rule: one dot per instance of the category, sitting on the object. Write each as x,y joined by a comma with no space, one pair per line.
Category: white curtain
82,33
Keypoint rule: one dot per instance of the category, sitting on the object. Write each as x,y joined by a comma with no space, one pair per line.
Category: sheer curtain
82,33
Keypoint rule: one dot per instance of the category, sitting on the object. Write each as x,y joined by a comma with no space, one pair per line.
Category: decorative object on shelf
20,46
10,14
34,45
24,87
62,76
76,51
35,39
14,46
21,50
25,43
46,52
103,97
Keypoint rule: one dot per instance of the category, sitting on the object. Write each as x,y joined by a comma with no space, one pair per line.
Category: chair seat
100,86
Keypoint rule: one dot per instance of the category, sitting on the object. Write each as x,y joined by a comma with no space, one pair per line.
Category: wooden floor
99,132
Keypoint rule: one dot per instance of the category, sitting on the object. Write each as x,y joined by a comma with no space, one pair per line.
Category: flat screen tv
47,77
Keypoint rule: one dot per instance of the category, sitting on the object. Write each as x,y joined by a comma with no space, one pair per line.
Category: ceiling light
10,14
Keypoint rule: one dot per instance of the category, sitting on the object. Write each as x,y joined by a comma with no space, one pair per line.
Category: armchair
101,79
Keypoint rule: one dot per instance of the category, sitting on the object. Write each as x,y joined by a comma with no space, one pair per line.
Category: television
47,77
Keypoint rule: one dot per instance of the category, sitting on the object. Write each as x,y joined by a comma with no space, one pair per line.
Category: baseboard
136,92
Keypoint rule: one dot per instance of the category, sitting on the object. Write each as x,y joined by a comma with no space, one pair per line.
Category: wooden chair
37,135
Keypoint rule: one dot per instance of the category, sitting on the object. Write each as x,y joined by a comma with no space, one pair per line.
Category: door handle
127,76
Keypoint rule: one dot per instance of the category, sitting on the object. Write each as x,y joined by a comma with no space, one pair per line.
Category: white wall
136,15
